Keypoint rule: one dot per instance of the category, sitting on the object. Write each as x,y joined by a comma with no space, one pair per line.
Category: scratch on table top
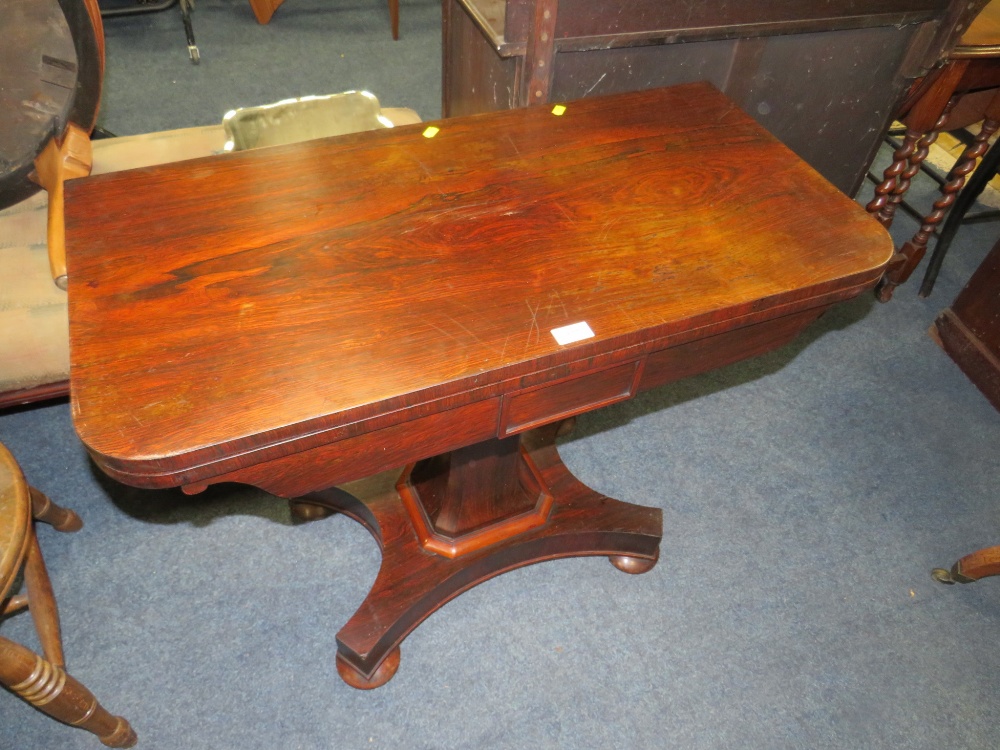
533,326
566,213
478,340
504,350
608,226
464,209
559,299
443,331
628,315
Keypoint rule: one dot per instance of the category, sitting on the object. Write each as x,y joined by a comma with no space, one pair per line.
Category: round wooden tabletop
15,519
982,39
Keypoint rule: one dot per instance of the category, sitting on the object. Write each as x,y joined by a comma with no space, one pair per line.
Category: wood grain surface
251,305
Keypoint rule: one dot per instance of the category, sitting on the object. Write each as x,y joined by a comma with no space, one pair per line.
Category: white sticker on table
575,332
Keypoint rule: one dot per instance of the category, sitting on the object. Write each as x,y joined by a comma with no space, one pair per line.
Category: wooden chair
972,66
986,171
264,9
42,681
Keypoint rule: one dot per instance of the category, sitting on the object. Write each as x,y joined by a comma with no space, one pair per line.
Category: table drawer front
534,407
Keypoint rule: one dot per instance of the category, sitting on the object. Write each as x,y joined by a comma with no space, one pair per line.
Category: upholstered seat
34,340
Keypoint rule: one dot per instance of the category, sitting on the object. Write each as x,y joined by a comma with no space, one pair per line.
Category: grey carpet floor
806,496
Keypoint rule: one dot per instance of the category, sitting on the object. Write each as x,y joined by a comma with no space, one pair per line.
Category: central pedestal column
453,521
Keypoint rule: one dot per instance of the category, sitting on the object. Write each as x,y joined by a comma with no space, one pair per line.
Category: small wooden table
303,317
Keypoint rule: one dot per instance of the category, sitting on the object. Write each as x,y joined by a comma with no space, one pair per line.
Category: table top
982,38
222,305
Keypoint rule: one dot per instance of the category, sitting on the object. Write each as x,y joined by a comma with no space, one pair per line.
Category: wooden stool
42,682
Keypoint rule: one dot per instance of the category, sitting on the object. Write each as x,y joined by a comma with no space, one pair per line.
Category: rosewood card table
441,298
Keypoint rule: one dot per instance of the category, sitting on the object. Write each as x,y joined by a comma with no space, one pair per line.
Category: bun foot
122,736
305,512
884,290
634,565
382,675
566,427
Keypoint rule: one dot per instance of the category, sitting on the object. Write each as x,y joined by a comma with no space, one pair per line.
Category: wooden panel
367,454
976,360
534,407
786,85
829,96
610,71
970,329
264,298
978,304
823,76
587,18
475,78
707,354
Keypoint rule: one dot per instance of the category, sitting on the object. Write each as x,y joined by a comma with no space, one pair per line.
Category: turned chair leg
40,597
43,682
42,604
915,248
49,689
973,189
889,193
902,264
394,17
46,511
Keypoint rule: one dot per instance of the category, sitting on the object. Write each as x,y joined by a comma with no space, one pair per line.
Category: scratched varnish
297,295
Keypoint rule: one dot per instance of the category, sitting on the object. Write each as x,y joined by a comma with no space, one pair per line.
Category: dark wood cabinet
969,330
822,75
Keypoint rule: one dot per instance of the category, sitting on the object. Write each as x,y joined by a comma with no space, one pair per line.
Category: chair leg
915,248
42,603
49,689
882,206
186,7
394,17
891,198
973,189
41,599
59,518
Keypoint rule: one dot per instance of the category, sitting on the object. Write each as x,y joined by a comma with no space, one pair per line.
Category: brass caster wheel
950,576
382,675
634,565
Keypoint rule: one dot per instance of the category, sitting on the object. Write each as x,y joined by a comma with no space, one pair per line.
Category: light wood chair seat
42,680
